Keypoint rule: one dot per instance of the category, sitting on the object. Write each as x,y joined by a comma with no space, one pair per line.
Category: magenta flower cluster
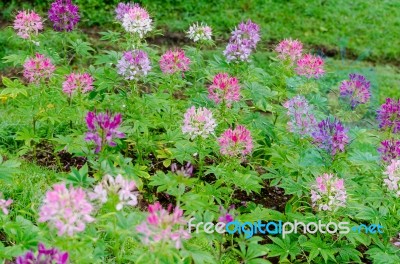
289,50
164,226
242,42
328,193
389,115
38,68
226,215
390,150
393,177
27,24
43,256
103,129
134,64
236,142
64,15
174,61
124,189
5,204
77,82
310,66
331,136
356,90
198,122
225,89
301,118
67,210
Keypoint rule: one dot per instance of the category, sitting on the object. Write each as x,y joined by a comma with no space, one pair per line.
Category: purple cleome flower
122,9
134,64
389,115
331,136
390,150
356,90
64,15
301,118
44,256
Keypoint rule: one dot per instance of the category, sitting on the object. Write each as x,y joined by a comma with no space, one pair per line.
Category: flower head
356,90
328,193
122,9
103,128
67,210
163,226
4,204
199,33
236,142
77,82
137,21
224,89
198,122
243,41
174,61
310,66
27,24
124,189
290,50
393,177
301,117
134,64
389,115
38,68
44,256
186,170
64,15
390,149
226,215
331,136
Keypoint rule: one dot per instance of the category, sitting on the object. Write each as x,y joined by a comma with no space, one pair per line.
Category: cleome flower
393,177
174,61
103,128
4,204
224,89
137,21
289,50
236,142
134,64
331,136
27,24
64,15
328,193
310,66
389,149
356,90
43,256
198,122
301,117
122,188
38,68
184,170
163,226
67,210
199,33
389,115
122,9
76,82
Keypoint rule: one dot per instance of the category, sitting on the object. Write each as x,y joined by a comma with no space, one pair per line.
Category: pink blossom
27,24
328,193
310,66
393,177
38,68
289,49
174,61
137,21
4,204
163,226
224,89
77,82
198,122
67,210
236,142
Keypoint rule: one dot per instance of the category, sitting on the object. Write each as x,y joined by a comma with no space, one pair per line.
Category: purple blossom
356,90
134,64
64,15
301,117
390,150
331,136
227,215
122,9
389,115
186,170
44,256
103,128
242,42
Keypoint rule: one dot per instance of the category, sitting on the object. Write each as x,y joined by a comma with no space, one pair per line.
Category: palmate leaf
8,168
283,248
317,247
198,255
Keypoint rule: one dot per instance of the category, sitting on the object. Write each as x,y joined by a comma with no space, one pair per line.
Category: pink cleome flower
174,61
224,89
236,142
164,226
289,49
198,122
310,66
4,204
38,68
76,82
393,177
328,193
137,20
27,24
66,209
